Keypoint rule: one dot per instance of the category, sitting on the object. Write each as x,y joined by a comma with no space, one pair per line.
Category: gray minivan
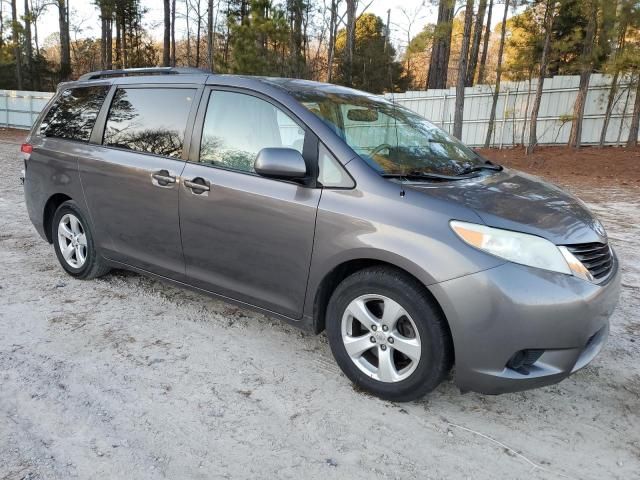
329,208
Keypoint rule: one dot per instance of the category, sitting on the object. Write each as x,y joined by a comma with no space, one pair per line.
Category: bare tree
549,13
411,17
333,28
586,60
166,45
38,7
623,25
458,113
475,43
632,140
352,6
439,63
15,38
65,42
496,90
211,28
28,45
173,33
485,47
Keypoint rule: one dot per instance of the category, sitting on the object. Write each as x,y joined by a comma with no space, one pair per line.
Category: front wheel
74,243
388,335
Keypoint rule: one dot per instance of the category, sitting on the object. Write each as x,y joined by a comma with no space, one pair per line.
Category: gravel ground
126,377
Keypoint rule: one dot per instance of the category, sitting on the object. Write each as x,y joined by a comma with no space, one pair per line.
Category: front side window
74,113
150,120
389,137
237,126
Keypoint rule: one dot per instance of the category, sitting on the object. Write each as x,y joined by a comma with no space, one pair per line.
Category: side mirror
285,163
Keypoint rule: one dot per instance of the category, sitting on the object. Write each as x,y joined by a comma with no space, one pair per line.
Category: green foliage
258,40
374,66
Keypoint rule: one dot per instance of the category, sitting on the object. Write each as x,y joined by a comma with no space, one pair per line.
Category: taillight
26,149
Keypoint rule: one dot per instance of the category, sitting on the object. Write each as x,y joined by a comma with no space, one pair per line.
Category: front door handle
197,185
163,178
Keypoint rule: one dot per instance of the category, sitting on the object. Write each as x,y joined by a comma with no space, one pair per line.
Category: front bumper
498,312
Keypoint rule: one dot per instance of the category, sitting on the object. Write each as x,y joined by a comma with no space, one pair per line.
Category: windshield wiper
484,166
418,175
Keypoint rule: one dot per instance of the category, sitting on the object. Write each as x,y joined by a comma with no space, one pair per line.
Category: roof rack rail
126,72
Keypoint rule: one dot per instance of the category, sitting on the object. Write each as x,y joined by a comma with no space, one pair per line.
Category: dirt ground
585,166
126,377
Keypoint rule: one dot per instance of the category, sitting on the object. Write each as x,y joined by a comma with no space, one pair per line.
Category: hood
516,201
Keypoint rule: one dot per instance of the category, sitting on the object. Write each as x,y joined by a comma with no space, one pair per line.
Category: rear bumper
498,312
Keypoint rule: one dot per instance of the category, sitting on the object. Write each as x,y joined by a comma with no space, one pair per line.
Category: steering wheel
379,148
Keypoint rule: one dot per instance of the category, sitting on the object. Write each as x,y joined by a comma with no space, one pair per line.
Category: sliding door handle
163,179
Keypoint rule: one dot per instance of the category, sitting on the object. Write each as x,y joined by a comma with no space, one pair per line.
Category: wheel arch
333,278
50,208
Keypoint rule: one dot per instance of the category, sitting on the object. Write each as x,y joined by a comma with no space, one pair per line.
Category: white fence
19,109
512,114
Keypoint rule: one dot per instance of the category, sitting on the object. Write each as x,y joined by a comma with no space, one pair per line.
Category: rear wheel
387,335
74,243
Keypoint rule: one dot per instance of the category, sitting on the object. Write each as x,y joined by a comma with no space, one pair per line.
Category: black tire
94,265
435,341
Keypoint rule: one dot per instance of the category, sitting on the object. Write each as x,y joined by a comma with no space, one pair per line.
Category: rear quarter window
73,114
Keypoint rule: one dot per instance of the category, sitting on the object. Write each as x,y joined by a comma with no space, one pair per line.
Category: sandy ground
126,377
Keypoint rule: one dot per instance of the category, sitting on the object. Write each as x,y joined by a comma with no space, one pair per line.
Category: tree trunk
198,32
103,40
622,33
439,63
462,71
575,136
526,108
297,38
210,29
28,45
607,113
333,21
173,33
109,40
65,43
188,39
166,45
351,38
485,47
15,38
496,90
548,22
632,140
475,43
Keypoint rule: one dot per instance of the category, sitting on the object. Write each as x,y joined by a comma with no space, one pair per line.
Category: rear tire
388,335
74,243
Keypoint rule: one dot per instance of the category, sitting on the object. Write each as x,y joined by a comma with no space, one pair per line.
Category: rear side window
74,113
150,120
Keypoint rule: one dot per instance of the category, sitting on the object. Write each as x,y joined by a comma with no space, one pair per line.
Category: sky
85,15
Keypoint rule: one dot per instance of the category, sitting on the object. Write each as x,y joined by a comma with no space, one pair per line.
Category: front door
131,181
244,236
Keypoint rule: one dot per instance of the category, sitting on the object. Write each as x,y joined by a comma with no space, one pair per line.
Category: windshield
389,137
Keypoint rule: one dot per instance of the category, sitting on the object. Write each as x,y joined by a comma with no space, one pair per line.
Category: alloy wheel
381,338
72,241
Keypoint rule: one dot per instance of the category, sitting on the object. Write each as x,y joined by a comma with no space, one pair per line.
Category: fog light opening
523,360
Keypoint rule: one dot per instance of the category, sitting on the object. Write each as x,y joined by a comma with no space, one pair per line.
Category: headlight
513,246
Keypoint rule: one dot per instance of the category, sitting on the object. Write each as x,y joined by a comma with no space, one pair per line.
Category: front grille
596,257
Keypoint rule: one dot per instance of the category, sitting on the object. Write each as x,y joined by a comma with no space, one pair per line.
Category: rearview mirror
362,115
285,163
